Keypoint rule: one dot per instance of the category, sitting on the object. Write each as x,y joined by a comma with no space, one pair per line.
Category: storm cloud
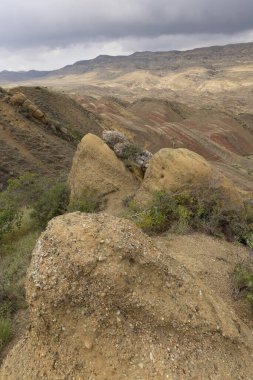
42,30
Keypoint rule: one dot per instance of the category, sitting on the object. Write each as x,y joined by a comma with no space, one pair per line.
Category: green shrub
5,331
17,195
244,280
161,214
201,210
45,196
9,220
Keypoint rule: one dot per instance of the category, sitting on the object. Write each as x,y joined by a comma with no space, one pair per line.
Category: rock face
125,149
181,169
106,303
97,170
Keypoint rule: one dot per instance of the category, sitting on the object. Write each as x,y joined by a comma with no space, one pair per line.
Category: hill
220,76
42,145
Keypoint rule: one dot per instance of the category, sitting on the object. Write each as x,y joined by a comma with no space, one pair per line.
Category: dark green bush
52,202
130,151
5,331
46,197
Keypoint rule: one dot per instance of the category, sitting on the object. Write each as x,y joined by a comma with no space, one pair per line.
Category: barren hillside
41,145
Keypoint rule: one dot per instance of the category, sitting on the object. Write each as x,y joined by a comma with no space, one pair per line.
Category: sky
49,34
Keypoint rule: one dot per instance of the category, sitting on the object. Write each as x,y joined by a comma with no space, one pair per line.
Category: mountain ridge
238,51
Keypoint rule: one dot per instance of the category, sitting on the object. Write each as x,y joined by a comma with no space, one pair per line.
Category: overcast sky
48,34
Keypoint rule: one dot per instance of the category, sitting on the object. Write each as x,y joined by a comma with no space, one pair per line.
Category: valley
199,99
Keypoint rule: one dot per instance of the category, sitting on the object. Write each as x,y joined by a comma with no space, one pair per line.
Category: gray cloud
45,33
62,22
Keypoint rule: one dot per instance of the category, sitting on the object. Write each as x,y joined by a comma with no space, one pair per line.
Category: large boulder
174,170
97,170
106,303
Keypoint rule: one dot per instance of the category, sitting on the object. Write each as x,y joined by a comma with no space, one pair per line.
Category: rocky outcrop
125,149
175,170
106,303
97,170
19,99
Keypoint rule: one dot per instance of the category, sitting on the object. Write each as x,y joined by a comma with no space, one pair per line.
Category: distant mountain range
158,62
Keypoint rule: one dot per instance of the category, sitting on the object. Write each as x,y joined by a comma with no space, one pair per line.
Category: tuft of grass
89,202
6,332
15,254
15,258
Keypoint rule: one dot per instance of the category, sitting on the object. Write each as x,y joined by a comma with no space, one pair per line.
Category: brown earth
107,302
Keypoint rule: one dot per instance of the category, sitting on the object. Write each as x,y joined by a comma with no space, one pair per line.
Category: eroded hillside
157,123
46,143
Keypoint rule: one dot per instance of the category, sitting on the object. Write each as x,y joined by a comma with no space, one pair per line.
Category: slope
42,145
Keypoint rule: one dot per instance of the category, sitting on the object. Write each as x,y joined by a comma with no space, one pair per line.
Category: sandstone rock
97,170
98,318
33,109
174,170
18,99
36,112
27,103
